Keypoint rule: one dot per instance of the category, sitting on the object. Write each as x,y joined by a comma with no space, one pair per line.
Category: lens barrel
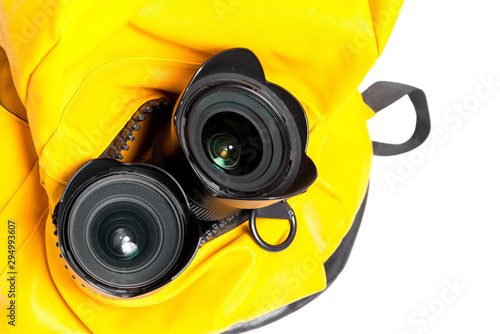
125,230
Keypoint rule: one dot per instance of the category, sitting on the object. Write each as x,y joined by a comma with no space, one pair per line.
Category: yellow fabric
72,73
8,95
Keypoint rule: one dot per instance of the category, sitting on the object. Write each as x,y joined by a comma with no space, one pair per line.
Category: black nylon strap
382,94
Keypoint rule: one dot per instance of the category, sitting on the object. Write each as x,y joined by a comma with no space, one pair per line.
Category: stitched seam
55,178
106,67
17,189
42,160
110,65
102,68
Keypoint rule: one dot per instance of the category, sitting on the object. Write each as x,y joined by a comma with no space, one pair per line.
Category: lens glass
124,242
236,138
124,235
125,231
224,150
232,143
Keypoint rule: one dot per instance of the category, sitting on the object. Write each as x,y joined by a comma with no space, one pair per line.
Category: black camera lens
236,141
120,225
125,230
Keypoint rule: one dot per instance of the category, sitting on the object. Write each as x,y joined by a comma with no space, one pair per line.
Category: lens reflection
224,150
232,143
123,231
124,242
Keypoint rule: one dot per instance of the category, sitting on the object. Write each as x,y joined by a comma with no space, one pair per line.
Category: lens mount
125,230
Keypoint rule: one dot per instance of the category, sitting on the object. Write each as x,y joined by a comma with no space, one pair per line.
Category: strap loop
280,210
381,95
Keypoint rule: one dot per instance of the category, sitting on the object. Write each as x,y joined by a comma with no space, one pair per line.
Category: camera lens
236,139
126,232
143,217
233,143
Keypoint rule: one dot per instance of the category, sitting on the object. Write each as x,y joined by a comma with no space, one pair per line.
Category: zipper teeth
120,143
224,226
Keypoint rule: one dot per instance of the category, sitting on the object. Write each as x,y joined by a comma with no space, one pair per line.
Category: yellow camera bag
72,74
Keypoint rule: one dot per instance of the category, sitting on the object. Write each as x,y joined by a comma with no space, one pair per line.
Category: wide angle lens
127,232
236,141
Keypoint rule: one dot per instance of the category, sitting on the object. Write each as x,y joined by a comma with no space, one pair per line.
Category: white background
439,225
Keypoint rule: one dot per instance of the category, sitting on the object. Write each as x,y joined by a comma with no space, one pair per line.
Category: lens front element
127,231
123,231
233,143
237,140
124,243
224,150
